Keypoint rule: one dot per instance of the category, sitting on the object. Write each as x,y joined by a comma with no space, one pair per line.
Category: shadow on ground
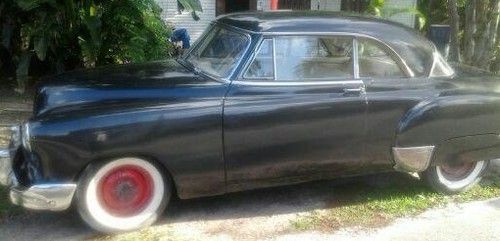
281,200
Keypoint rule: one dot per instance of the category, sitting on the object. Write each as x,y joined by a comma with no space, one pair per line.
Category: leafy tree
475,24
379,8
45,36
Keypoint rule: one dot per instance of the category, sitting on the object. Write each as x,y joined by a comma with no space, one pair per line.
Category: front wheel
455,178
122,195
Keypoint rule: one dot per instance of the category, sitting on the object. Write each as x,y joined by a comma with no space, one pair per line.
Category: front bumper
46,196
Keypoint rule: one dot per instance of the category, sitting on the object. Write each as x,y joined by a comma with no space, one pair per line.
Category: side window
302,58
262,67
375,62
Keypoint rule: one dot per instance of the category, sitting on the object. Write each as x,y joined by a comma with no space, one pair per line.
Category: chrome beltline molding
412,159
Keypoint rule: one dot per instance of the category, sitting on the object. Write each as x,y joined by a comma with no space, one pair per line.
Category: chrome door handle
352,91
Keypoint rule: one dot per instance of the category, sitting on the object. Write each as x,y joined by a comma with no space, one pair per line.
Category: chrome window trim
355,57
240,80
398,59
246,81
275,69
392,55
435,56
254,56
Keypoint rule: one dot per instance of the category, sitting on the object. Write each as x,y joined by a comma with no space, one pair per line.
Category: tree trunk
490,37
469,31
454,55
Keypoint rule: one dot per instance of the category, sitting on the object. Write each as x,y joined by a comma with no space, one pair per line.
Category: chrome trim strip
5,168
275,69
297,83
53,197
412,159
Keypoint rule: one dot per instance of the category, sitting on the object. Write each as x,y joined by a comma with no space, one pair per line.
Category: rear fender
436,120
448,128
467,149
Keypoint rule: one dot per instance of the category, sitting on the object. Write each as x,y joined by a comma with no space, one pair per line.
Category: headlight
26,137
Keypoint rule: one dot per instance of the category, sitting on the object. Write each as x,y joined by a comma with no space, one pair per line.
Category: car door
391,91
297,113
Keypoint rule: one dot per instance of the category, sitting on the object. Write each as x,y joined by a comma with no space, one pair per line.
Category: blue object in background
181,34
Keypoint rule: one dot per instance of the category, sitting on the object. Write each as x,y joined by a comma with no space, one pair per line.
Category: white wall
326,5
185,20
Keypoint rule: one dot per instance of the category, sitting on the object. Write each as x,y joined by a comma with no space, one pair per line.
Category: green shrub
48,36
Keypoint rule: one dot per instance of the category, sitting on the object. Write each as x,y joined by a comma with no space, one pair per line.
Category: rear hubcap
455,172
126,190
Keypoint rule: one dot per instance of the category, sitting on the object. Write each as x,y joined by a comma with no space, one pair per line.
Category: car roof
415,50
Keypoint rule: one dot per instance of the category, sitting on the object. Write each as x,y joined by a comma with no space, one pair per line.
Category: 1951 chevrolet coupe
262,99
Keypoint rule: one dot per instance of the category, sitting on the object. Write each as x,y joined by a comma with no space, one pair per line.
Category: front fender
185,138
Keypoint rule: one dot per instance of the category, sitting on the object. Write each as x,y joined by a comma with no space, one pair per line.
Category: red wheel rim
457,172
126,190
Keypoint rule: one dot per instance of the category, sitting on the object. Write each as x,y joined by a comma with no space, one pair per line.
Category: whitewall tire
122,195
453,179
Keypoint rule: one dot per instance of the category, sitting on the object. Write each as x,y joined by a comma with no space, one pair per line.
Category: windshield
218,52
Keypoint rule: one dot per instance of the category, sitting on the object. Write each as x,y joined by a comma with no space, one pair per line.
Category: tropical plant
379,8
55,35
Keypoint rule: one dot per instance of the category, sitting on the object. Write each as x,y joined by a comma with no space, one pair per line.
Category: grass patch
365,206
5,205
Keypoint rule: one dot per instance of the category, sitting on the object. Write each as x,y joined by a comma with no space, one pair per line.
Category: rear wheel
122,195
455,178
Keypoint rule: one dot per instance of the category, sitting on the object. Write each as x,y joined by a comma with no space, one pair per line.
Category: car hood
160,73
116,85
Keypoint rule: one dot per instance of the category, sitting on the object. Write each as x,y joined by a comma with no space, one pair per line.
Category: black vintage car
262,99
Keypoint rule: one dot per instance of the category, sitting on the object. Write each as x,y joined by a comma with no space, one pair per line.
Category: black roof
414,49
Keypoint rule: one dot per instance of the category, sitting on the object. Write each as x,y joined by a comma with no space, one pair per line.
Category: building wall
185,20
326,5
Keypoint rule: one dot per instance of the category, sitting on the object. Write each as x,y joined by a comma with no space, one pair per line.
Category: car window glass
219,52
303,58
262,66
375,62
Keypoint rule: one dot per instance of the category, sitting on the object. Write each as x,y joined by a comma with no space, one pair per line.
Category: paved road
471,221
